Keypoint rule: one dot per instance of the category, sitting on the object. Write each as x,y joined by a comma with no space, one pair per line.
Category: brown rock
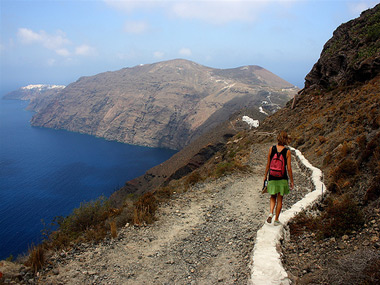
166,104
339,63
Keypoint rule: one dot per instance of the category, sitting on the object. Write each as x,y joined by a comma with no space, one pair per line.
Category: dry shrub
126,216
299,141
193,178
36,257
225,168
302,222
327,160
372,149
322,139
345,150
164,193
144,209
372,272
95,234
59,240
113,228
341,216
362,142
373,192
347,168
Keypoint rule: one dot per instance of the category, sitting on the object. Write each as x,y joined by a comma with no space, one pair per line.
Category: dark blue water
46,173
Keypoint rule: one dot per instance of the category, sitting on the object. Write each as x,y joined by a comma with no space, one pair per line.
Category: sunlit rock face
166,104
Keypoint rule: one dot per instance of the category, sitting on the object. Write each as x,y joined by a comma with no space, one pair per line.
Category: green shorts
278,186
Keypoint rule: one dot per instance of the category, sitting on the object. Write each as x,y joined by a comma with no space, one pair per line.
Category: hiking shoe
277,223
269,220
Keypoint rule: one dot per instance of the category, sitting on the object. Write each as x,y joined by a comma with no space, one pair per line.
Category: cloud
137,27
85,50
131,5
57,42
52,42
51,61
158,54
185,52
216,12
62,52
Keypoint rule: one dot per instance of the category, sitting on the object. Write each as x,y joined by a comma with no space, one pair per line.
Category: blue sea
46,173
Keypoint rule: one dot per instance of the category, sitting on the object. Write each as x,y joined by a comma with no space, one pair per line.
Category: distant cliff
34,91
37,94
166,104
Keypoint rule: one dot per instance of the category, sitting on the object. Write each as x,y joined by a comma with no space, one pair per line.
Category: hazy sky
58,41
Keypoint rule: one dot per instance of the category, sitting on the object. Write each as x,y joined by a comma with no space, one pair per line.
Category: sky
58,41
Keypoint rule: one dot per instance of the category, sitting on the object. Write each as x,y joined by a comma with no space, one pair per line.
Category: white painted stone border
267,267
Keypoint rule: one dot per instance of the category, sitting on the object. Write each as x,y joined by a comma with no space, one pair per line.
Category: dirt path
203,236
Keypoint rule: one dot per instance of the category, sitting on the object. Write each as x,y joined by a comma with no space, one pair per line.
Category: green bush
223,168
87,216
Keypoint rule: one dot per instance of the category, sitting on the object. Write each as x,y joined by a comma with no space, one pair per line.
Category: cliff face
351,55
167,104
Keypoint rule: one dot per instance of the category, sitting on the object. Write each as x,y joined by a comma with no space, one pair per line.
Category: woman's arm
268,163
289,167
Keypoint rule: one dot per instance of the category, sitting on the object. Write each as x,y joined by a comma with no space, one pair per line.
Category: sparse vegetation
193,178
341,216
89,218
36,257
113,229
144,209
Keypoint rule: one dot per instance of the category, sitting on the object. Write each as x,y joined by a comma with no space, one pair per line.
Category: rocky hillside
335,122
351,55
166,104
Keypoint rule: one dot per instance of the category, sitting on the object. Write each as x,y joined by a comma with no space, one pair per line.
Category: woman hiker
280,170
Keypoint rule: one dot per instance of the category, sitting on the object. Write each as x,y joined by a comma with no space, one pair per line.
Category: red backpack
277,164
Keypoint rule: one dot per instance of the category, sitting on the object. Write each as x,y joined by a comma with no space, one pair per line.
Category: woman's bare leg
272,202
278,207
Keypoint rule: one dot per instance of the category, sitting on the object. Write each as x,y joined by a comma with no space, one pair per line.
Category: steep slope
335,122
166,104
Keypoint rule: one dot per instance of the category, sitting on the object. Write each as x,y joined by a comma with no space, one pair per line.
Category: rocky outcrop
166,104
351,55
